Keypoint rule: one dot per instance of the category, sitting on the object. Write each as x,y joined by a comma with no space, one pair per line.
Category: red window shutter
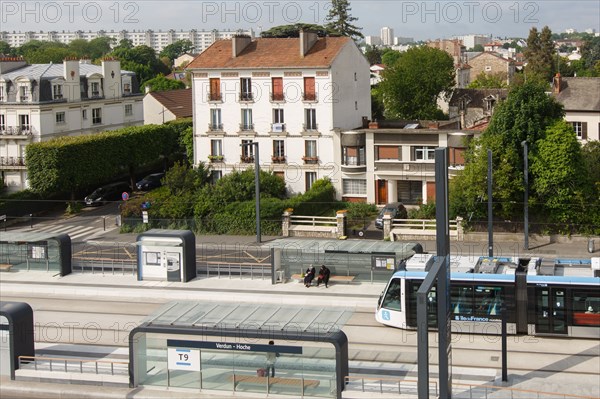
215,89
309,88
277,88
584,130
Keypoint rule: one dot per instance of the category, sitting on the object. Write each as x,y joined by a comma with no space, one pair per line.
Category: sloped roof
179,102
492,53
271,53
476,97
579,94
51,71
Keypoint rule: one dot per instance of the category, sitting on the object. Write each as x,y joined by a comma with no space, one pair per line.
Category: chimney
71,89
373,125
239,43
556,84
434,125
307,40
111,73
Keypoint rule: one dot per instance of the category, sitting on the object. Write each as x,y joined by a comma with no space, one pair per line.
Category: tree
373,54
591,159
293,30
477,48
5,48
559,174
176,49
160,83
590,54
489,81
540,53
340,21
389,56
411,86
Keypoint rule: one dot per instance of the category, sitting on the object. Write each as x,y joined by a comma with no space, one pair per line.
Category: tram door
550,310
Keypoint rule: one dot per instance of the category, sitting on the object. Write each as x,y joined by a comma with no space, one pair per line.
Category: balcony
215,127
310,97
278,128
247,97
214,98
278,159
246,127
310,128
277,98
310,160
215,158
18,131
12,162
247,158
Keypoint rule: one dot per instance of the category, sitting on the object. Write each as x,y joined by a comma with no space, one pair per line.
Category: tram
537,297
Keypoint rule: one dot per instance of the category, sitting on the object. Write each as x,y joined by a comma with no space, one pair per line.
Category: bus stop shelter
36,251
16,335
253,348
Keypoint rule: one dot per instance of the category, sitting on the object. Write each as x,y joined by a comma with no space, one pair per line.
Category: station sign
183,359
234,346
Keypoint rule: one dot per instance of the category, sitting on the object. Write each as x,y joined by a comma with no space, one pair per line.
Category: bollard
591,246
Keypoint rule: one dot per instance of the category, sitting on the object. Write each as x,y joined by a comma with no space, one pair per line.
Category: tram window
488,301
586,308
462,300
392,296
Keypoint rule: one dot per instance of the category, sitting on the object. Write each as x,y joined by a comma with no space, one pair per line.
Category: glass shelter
36,251
270,349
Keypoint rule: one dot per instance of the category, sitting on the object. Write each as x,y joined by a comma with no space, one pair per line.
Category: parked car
149,182
396,210
109,192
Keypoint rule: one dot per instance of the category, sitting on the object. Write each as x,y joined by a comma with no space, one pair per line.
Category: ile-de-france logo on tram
385,315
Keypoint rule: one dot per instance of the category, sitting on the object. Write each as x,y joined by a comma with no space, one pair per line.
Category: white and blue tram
540,298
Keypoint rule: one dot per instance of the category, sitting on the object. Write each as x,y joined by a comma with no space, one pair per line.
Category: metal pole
526,199
490,216
504,357
257,192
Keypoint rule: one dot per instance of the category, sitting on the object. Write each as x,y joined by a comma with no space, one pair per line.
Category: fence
82,366
409,228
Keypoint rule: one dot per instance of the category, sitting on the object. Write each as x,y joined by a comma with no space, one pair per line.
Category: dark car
395,209
149,182
110,192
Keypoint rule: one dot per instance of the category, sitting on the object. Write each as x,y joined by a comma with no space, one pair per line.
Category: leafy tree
141,59
489,81
183,178
559,174
160,83
176,49
293,30
477,48
373,54
5,48
590,54
591,159
340,21
411,86
540,53
389,56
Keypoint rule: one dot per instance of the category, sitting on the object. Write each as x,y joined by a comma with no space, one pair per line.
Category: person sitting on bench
309,276
324,274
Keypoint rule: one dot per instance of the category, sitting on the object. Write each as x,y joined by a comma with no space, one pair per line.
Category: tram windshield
392,296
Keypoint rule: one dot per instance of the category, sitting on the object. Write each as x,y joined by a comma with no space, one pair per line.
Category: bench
333,277
4,267
253,379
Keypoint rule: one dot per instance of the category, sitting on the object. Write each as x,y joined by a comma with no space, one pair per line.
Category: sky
422,19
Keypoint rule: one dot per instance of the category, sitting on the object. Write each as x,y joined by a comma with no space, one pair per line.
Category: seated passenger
324,274
309,276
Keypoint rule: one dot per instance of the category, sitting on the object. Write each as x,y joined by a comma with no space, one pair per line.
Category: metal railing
105,265
12,161
72,365
231,270
386,385
17,130
328,221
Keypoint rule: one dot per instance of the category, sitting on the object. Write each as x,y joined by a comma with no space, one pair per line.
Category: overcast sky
419,19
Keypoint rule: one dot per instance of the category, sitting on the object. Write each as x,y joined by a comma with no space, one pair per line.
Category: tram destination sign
234,346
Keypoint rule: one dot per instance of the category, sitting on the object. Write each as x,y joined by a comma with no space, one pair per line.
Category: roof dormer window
24,93
57,92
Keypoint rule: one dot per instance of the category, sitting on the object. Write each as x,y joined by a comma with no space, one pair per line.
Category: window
23,93
353,156
216,147
586,307
309,90
310,151
277,89
580,129
95,89
388,153
456,155
215,89
310,121
2,90
392,296
246,120
60,117
2,122
247,149
279,148
355,77
57,92
354,186
128,109
126,88
84,114
423,153
24,122
356,105
278,115
96,116
246,89
215,119
310,179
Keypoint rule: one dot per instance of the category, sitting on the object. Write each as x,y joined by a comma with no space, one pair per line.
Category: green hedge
69,163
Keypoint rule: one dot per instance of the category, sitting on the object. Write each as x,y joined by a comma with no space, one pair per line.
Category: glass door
550,310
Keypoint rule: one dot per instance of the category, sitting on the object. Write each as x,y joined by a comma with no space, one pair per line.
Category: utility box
167,255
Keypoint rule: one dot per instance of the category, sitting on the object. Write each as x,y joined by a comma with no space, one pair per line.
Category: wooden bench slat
5,266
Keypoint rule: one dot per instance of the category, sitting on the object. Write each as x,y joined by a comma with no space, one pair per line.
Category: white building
470,41
581,99
373,40
43,101
168,105
157,40
293,97
387,36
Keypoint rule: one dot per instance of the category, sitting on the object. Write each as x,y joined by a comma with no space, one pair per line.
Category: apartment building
581,98
43,101
292,96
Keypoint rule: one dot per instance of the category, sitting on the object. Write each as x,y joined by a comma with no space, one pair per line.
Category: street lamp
526,200
256,186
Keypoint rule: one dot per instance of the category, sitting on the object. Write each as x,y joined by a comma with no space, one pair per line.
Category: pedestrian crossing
76,232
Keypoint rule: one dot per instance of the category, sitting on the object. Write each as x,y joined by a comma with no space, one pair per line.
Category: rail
105,265
81,365
329,221
235,270
421,224
401,386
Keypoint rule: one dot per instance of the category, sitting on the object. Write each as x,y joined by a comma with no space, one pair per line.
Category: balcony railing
310,97
16,131
246,127
310,127
249,97
278,127
215,127
214,97
247,158
12,161
215,158
277,98
278,158
310,160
